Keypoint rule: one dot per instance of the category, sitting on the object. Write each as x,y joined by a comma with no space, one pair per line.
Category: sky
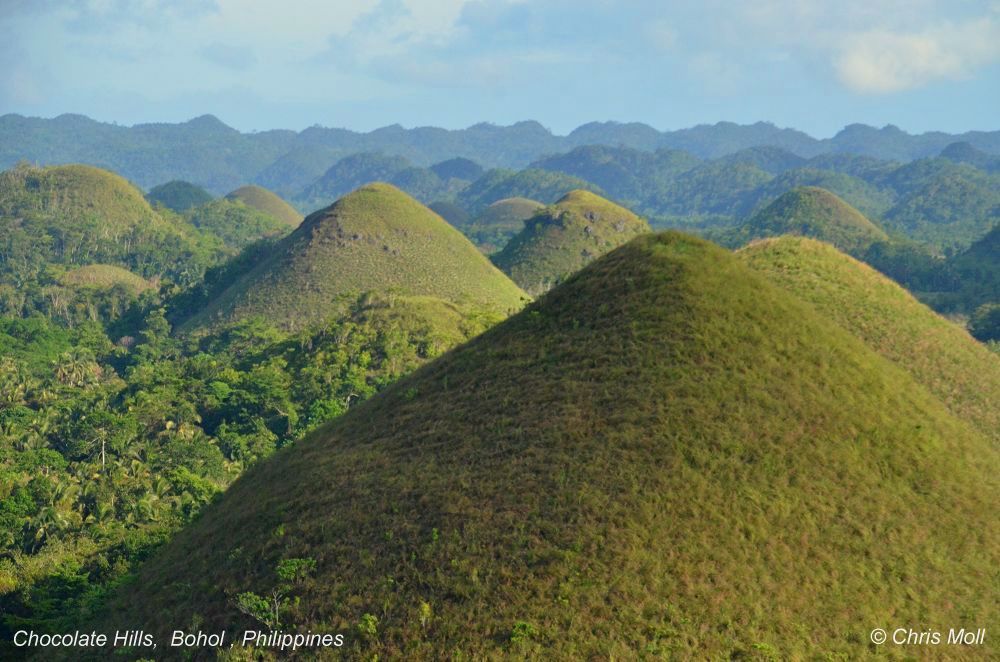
360,64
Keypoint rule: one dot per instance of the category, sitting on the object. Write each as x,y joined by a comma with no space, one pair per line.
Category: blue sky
814,65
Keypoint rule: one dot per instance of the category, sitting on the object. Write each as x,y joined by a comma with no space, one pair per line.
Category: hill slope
77,215
178,196
667,455
499,222
814,212
938,353
264,201
374,239
562,238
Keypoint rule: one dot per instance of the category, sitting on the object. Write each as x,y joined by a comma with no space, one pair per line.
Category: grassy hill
938,353
375,239
76,215
178,196
561,239
666,456
498,223
102,276
235,223
811,211
533,184
265,201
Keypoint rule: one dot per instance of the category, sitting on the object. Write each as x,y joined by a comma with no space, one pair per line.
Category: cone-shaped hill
178,196
375,239
814,212
78,215
667,455
104,276
562,238
938,353
265,201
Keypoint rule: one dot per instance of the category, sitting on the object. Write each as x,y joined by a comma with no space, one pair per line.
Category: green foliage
377,239
531,183
235,223
985,322
561,239
178,196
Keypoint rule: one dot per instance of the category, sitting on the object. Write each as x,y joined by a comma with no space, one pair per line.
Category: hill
814,212
265,201
666,456
77,215
978,269
561,239
236,224
178,196
376,239
867,198
534,184
936,352
498,223
103,276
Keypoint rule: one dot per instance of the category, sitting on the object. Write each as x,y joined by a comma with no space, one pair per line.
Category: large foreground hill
667,455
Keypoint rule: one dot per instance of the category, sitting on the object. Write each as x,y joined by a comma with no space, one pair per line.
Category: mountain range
206,151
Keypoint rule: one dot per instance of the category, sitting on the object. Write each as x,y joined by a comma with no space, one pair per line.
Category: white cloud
880,61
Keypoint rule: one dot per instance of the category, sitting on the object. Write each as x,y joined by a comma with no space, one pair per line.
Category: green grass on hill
939,354
561,239
265,201
666,456
376,239
104,276
498,223
814,212
236,223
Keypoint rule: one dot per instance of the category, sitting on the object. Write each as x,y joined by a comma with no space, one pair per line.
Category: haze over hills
560,239
376,239
811,211
667,453
207,151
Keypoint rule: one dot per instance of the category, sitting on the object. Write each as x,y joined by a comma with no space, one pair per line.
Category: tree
985,322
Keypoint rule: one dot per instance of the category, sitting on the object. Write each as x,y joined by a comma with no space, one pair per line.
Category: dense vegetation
560,239
236,223
106,449
667,455
178,196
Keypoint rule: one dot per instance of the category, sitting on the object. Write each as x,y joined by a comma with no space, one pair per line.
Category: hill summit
562,238
262,200
375,239
665,456
814,212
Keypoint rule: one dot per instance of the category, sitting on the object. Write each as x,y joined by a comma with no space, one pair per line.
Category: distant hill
810,211
357,169
265,201
936,352
963,152
178,196
235,223
498,223
666,456
103,276
458,168
76,215
533,184
560,239
206,151
978,269
376,239
869,199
